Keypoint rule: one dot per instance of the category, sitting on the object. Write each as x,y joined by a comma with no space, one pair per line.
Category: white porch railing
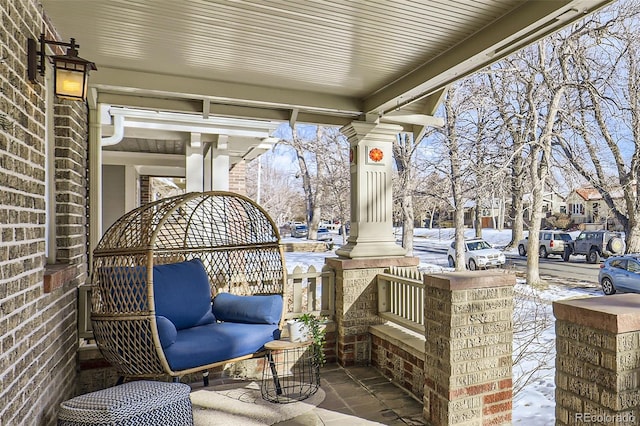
307,291
401,298
311,291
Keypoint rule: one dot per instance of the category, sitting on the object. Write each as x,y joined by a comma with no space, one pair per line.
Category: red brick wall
238,178
38,325
398,365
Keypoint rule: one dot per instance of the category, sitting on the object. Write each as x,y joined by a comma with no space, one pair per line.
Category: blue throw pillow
166,331
182,294
248,309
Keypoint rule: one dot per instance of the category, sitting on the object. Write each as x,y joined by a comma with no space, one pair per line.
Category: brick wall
238,178
401,365
597,360
38,337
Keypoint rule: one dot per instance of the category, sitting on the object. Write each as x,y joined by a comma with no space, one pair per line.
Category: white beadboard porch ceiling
318,61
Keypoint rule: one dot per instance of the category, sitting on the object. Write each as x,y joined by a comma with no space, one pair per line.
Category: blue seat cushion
211,343
248,309
182,293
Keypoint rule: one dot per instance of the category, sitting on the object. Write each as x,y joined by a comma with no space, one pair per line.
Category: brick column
357,304
598,360
468,349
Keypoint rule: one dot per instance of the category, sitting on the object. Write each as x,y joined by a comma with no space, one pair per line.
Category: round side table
291,371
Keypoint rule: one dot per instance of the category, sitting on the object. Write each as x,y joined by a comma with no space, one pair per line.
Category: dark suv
596,244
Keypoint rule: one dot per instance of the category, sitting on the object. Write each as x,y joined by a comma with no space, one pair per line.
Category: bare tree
279,192
532,352
602,134
454,105
506,92
305,141
334,177
404,148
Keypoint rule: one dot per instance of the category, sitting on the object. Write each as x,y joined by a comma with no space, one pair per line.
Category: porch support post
469,347
371,156
220,163
95,179
597,360
194,163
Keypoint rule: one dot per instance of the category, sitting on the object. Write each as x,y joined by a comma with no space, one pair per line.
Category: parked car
551,242
299,231
477,254
347,228
620,273
596,244
324,234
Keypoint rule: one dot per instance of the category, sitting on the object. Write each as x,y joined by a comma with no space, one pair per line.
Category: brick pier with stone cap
598,360
469,339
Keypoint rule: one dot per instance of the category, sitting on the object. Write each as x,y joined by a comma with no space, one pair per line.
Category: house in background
587,208
494,212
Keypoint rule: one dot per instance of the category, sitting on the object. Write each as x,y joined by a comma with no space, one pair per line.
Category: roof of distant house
589,193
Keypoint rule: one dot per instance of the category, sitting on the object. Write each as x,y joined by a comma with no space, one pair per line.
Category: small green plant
317,334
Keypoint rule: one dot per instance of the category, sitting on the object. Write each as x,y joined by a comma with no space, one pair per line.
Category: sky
535,404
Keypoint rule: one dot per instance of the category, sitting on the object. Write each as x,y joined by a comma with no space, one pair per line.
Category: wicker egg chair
235,239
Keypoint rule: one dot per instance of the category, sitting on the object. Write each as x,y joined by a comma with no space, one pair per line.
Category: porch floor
359,396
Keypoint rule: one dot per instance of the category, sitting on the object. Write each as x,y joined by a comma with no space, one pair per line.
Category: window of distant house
577,208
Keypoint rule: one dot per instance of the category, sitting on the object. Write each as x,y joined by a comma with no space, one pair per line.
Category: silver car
551,242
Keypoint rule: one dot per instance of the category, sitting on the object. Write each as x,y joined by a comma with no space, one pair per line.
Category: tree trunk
477,220
403,148
516,212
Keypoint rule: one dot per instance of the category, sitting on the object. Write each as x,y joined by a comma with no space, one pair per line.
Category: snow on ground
535,404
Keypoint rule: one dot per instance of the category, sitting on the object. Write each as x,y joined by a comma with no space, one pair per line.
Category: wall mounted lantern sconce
70,71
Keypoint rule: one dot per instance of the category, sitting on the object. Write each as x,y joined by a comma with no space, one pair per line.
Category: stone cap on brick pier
464,280
619,313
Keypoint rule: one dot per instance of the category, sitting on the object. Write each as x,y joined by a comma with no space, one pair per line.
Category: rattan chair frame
235,238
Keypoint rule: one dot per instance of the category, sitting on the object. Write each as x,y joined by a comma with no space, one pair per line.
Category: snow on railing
401,297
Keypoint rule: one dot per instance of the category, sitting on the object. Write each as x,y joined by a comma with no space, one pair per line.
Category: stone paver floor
360,396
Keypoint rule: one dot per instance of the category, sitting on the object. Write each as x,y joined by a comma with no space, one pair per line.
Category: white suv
477,254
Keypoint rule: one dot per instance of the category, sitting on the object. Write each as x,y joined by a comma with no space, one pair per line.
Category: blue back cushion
248,309
182,294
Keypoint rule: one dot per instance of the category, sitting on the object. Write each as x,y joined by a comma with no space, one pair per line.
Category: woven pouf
134,403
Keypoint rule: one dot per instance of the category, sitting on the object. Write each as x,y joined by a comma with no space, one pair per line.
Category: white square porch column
371,159
194,159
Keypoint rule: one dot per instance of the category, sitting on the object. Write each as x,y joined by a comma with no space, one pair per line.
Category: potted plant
308,327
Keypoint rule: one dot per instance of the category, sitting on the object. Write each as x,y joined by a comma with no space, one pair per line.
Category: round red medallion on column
376,155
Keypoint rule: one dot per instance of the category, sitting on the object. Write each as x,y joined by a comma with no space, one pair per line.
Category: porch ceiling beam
123,158
160,85
531,21
191,106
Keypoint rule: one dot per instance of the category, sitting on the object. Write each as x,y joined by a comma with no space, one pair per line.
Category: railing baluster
404,289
